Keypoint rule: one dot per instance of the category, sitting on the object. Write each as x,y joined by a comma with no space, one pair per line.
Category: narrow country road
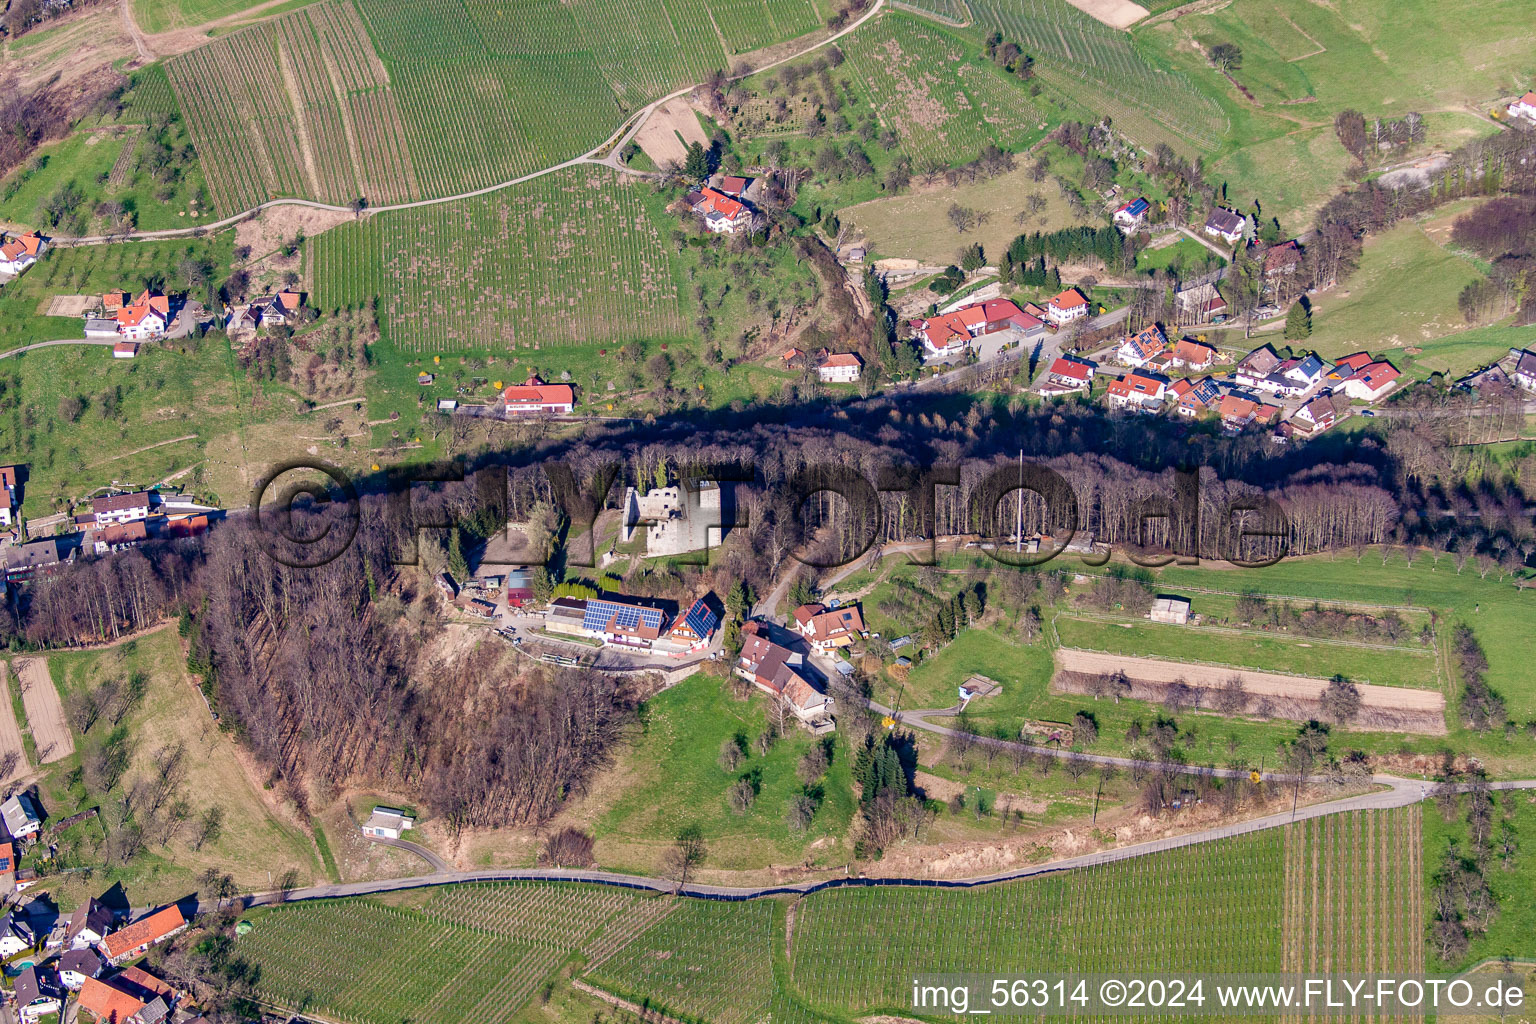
59,341
612,146
1399,793
439,866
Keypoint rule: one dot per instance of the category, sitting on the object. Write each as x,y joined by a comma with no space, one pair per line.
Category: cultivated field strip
854,949
562,916
707,961
569,257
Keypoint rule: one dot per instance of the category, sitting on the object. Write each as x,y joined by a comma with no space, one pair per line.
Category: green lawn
1186,254
1304,656
1513,932
673,780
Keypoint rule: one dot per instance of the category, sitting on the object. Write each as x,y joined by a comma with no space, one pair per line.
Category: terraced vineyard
569,257
943,107
393,100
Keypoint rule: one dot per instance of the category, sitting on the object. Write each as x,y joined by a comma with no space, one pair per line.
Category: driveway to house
439,866
59,341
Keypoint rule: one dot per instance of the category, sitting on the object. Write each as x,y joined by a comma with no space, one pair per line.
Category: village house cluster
89,953
1313,393
115,522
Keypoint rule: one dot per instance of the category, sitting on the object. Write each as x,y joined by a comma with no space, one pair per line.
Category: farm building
1200,303
133,939
125,350
1524,107
533,397
950,334
1170,609
722,214
387,823
1227,225
1067,375
1371,382
146,317
100,327
1525,370
840,368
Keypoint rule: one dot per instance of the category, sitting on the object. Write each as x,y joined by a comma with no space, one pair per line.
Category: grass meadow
258,842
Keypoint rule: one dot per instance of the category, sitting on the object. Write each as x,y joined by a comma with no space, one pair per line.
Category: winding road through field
611,148
1398,792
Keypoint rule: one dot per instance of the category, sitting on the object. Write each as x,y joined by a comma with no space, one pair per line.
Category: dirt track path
45,712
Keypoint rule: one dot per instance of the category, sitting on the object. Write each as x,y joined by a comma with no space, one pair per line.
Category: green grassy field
674,780
1404,295
112,159
1370,56
254,841
1186,255
917,225
1407,665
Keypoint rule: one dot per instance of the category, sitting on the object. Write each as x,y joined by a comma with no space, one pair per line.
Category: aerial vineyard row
569,257
438,97
1341,893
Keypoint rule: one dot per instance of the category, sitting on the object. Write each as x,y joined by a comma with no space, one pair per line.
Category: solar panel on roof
700,620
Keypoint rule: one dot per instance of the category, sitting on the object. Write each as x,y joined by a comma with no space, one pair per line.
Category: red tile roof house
1193,355
775,670
1067,376
146,317
1195,397
125,350
1283,259
1237,412
133,939
840,368
1066,307
734,185
722,214
1139,349
533,397
1525,107
948,334
1347,367
1372,382
21,252
827,628
1137,391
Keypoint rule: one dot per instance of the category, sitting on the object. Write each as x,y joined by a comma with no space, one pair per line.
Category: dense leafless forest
330,674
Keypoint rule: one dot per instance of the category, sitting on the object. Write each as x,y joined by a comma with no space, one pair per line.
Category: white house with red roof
827,628
1066,307
1067,375
146,317
1193,355
533,397
949,334
1139,349
722,214
1140,391
21,252
1372,382
840,368
1524,107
